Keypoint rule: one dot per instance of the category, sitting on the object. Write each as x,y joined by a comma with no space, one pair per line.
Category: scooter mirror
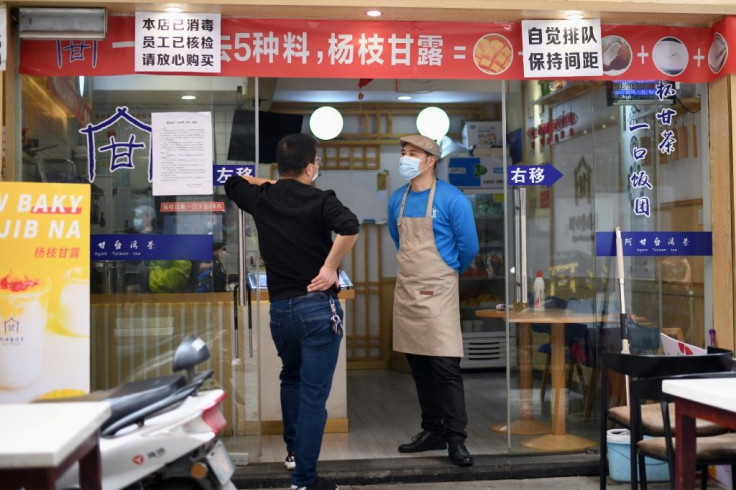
190,352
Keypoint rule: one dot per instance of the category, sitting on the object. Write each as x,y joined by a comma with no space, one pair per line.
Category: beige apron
426,304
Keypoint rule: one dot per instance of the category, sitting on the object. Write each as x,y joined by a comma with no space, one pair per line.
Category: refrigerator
482,285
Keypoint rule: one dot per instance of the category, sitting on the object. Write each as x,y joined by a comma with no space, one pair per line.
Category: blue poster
220,173
151,247
655,243
522,175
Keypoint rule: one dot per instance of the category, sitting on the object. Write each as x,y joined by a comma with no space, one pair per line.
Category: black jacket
295,222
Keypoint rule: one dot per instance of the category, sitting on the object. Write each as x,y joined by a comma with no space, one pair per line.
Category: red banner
402,50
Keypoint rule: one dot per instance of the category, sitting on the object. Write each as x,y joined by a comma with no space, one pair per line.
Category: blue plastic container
619,459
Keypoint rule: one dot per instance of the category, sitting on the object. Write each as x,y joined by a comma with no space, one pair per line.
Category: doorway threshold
426,469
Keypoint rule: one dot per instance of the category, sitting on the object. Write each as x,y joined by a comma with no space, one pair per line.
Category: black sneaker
319,484
289,461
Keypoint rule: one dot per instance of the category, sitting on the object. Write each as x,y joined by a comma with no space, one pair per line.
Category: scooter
162,432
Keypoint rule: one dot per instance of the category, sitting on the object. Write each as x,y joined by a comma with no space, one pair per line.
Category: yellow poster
44,290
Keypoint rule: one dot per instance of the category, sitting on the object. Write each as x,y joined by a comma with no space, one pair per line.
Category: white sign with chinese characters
561,48
182,153
186,42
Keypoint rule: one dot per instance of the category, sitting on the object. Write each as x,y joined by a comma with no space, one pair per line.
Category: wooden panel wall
722,133
134,337
367,336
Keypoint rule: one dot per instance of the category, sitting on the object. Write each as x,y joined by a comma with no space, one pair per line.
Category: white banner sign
182,153
187,43
561,48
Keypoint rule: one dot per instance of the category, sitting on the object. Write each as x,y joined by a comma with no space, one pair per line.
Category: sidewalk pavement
562,483
536,472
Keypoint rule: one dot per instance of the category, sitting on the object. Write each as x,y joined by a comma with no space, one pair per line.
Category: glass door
626,161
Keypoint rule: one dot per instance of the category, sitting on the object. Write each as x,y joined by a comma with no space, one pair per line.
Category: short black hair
294,152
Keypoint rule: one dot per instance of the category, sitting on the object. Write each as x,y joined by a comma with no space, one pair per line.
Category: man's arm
327,276
257,180
466,235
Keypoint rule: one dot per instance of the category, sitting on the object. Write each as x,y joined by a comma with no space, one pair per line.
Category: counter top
45,434
716,392
155,298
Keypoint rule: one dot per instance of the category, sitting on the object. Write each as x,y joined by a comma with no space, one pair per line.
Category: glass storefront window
635,164
140,309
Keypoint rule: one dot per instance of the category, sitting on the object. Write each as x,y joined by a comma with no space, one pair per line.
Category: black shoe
458,454
319,484
424,441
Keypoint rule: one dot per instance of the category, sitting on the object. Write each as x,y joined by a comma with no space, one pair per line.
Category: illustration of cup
23,312
72,313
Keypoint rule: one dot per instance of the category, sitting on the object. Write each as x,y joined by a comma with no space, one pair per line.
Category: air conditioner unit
62,23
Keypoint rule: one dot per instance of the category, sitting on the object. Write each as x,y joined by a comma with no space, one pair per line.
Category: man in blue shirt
433,228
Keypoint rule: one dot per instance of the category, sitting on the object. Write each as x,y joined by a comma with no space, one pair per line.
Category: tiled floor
383,413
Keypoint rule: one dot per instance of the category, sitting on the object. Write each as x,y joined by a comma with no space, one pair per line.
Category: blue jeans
308,347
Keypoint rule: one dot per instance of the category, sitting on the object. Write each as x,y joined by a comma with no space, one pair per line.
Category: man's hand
326,278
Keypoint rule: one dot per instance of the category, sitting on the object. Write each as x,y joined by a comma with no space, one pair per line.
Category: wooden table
39,442
709,399
554,438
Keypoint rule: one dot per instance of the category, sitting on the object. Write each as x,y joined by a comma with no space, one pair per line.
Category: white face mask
138,223
409,167
316,173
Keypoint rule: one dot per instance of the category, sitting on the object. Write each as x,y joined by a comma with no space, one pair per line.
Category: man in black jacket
295,222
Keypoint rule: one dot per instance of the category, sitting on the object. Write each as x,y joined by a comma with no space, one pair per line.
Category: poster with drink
44,290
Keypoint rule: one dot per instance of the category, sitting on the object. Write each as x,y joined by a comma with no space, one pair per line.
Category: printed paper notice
183,42
182,153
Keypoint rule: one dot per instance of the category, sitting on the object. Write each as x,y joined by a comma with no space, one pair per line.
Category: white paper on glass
561,48
179,43
182,153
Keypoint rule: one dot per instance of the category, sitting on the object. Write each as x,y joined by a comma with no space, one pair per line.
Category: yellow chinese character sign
44,290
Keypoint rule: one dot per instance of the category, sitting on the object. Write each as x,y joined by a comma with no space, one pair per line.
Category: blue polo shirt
453,222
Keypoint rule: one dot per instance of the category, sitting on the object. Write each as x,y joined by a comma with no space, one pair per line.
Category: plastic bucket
619,459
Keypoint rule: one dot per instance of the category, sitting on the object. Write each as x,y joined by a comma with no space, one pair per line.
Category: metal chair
710,449
641,418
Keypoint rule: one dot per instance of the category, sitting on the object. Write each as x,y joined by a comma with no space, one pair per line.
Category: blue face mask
409,167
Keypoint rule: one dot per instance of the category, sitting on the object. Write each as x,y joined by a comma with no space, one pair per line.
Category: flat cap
427,144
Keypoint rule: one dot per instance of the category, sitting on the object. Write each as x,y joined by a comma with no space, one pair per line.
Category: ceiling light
174,10
574,16
188,97
433,123
404,97
373,13
326,123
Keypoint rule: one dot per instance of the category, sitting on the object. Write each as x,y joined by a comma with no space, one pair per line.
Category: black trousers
441,392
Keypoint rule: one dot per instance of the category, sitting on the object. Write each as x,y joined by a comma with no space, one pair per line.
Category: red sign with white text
193,207
402,50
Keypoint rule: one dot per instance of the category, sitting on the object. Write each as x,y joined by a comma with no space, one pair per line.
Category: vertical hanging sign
44,290
186,43
561,48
